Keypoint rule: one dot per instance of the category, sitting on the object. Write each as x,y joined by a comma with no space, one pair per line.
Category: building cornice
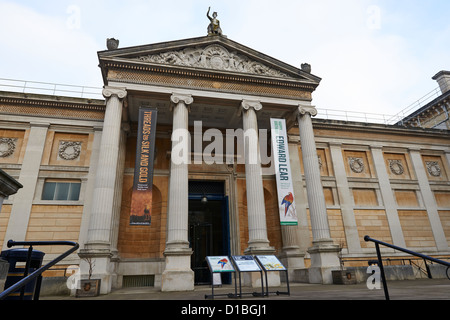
51,106
337,125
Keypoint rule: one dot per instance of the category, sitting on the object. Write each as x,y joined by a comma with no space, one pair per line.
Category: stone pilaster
98,245
258,241
345,200
178,275
447,156
390,204
29,172
324,253
429,201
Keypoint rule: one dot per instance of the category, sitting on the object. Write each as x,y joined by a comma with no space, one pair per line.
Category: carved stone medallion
433,168
396,167
69,150
356,164
7,147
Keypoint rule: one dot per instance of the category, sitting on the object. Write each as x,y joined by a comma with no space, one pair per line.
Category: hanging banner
280,151
141,201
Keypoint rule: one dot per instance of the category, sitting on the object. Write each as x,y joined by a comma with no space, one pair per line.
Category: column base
253,280
99,261
324,258
259,248
293,259
178,276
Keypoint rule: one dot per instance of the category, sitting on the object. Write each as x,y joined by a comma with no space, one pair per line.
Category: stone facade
350,179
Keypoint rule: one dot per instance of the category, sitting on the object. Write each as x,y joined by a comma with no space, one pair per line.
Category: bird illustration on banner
287,201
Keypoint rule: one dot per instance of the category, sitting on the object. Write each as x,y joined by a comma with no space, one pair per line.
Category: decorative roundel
356,164
433,168
396,167
7,147
69,150
217,57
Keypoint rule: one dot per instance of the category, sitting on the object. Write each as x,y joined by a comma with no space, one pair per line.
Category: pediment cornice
212,54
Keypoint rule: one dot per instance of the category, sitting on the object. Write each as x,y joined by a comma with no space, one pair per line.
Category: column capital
247,104
39,124
177,98
414,149
302,110
108,92
335,144
376,146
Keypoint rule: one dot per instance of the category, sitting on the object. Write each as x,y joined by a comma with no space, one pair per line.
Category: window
62,191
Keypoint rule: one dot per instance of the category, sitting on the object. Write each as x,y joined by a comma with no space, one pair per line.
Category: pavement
405,290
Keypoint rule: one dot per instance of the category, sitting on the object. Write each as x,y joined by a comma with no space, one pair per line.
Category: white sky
374,56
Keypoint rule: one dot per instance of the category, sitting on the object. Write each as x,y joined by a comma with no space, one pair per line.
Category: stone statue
214,26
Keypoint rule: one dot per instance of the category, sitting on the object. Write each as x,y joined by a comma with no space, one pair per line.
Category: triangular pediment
212,53
213,57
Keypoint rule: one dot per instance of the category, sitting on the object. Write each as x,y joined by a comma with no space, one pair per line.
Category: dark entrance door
208,227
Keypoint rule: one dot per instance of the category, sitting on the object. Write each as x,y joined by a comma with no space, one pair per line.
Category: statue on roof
214,26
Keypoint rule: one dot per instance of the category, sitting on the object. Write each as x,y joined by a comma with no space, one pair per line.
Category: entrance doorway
208,227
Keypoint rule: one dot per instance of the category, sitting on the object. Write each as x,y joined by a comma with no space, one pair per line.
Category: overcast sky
375,56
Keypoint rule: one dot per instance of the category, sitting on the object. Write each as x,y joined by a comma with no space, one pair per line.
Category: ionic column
178,275
324,253
296,238
98,245
257,229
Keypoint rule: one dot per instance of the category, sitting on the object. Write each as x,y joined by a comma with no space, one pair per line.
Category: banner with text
141,201
280,151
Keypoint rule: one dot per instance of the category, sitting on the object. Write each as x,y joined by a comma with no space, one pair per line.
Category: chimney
443,78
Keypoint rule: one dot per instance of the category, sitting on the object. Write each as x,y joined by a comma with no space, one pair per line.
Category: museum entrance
208,227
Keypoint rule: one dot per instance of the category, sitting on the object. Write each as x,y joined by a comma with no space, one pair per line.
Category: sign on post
246,264
220,264
270,263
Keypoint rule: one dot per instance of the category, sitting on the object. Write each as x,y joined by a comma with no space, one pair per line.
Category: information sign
220,264
246,263
270,263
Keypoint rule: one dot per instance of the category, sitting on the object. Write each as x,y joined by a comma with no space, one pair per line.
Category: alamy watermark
374,280
231,146
373,21
73,21
73,282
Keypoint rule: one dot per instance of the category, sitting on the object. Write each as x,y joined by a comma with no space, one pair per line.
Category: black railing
380,261
38,273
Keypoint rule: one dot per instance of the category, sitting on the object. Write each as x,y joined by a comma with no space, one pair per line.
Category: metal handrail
380,261
70,90
28,278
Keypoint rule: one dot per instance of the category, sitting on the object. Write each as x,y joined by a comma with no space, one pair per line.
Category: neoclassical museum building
183,158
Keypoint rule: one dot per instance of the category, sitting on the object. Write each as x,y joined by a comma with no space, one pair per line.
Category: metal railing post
380,262
38,273
383,276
